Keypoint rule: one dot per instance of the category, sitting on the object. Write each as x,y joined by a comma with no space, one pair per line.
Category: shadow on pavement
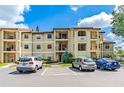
107,70
77,70
18,73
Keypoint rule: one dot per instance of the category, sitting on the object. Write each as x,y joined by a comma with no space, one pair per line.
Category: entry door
60,57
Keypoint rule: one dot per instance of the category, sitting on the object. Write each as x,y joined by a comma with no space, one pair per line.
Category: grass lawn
60,65
46,65
2,64
122,62
65,64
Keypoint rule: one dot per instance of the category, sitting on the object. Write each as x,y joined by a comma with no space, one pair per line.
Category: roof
101,32
61,28
15,29
42,32
87,28
77,28
28,30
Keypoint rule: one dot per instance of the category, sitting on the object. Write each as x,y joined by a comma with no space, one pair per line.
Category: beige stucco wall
28,41
108,51
0,45
82,39
44,52
72,41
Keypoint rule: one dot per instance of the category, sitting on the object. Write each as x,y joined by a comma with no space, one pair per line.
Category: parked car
84,64
107,64
28,64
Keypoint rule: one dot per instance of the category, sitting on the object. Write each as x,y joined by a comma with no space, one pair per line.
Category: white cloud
117,39
75,7
10,14
101,20
116,7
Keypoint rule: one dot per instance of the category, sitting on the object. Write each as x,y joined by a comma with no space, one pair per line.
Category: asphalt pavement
61,77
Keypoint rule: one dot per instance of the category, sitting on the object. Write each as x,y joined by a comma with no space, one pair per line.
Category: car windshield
88,60
25,59
108,59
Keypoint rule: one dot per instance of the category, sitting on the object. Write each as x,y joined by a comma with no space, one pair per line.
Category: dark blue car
107,64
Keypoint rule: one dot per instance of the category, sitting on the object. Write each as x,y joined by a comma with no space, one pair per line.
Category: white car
28,64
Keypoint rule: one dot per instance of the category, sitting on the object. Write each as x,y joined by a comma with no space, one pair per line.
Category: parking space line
44,71
62,74
71,71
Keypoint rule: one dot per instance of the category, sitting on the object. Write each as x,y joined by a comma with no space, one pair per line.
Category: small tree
120,53
118,21
67,57
37,29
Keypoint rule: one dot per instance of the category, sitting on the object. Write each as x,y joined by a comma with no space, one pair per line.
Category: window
26,36
38,37
25,59
26,46
81,47
107,47
88,60
49,36
38,47
81,33
49,46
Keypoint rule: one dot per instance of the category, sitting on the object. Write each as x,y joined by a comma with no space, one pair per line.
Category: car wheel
98,67
20,71
35,69
113,69
80,68
72,65
101,68
40,67
93,70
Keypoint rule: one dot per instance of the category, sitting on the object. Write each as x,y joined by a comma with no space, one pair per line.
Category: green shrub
47,61
67,57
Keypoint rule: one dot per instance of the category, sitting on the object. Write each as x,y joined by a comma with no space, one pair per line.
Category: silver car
84,64
28,64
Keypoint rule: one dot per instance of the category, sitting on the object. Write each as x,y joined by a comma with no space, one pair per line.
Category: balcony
9,50
93,35
61,36
93,46
9,47
61,48
9,36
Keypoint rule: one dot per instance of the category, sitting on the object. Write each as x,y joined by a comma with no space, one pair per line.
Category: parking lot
61,77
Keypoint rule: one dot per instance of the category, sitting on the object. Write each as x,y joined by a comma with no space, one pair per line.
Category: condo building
81,42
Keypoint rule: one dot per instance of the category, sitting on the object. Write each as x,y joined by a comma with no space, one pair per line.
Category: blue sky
48,17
